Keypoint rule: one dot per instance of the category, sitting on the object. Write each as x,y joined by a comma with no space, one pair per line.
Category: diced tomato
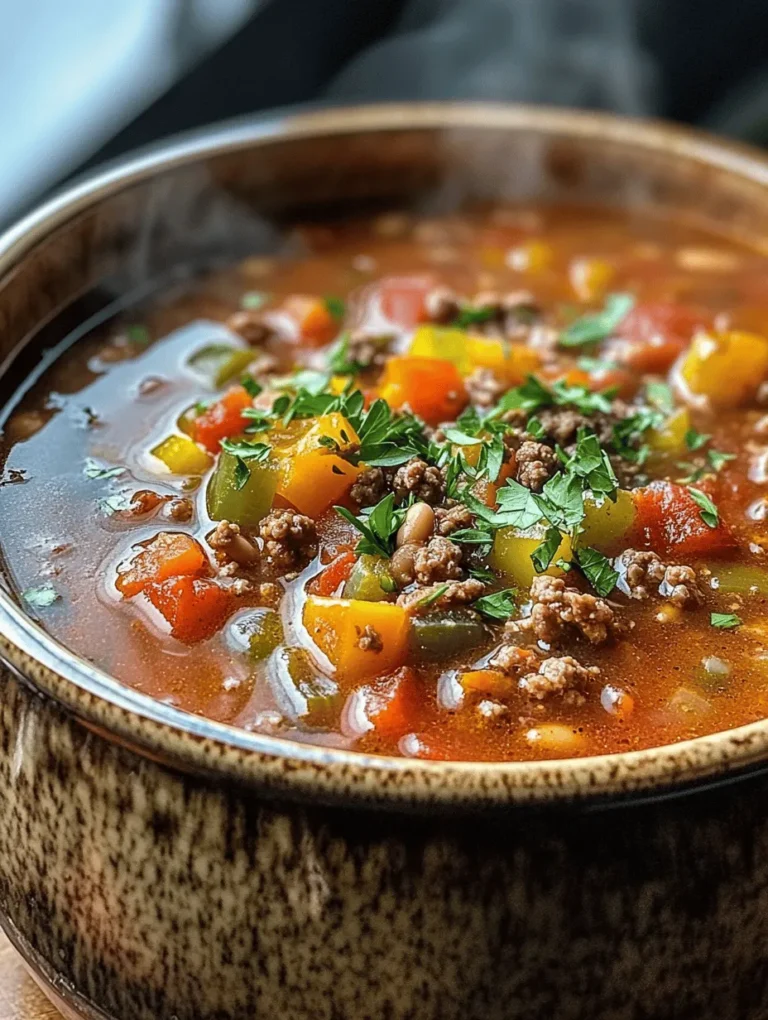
572,377
315,322
335,573
169,554
624,383
669,522
432,388
652,336
390,702
401,299
222,419
194,607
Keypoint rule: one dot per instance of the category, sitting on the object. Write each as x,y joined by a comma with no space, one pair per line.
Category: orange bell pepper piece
390,703
337,626
335,574
194,607
222,419
433,389
315,323
169,554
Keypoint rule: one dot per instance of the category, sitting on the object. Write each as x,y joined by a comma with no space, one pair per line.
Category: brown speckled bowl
157,866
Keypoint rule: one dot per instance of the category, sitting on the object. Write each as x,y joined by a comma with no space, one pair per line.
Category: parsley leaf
532,395
41,596
596,365
543,554
707,508
498,606
471,316
725,621
598,570
518,506
590,329
472,536
93,469
561,502
378,527
661,396
335,307
460,438
339,361
138,334
534,428
432,597
115,504
252,300
718,459
251,387
244,451
695,440
484,574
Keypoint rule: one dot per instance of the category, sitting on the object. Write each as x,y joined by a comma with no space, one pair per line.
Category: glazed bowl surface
232,191
155,865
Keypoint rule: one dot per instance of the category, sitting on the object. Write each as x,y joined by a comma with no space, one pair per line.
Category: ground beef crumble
483,387
644,574
453,518
370,640
535,464
423,480
563,676
457,593
289,538
369,487
438,560
557,608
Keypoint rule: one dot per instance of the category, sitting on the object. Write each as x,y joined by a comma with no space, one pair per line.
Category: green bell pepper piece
246,506
216,364
370,580
443,634
265,629
740,579
302,693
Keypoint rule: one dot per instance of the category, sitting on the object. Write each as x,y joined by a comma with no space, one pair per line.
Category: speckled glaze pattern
157,896
157,866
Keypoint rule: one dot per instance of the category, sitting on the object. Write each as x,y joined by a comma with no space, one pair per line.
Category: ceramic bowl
158,866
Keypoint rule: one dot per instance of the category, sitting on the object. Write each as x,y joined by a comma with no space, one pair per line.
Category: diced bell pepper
314,321
370,580
438,636
669,522
265,630
606,523
337,626
491,682
216,364
194,607
222,419
670,438
739,579
431,387
246,506
169,554
727,367
182,456
303,694
511,555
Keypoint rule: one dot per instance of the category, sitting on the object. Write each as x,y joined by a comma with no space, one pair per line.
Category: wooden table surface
20,998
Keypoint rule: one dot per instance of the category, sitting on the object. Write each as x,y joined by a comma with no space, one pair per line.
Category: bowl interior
235,190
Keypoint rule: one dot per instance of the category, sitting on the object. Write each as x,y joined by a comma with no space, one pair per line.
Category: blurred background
87,80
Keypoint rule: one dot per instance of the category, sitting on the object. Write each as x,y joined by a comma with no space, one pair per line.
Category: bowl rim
285,767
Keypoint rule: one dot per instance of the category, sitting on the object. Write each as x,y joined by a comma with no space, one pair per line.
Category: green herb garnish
93,469
590,329
598,570
707,509
725,621
498,606
41,596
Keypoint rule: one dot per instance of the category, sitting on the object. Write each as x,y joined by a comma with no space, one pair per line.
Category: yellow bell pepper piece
488,681
182,456
606,523
511,555
443,343
727,367
521,362
312,477
590,277
337,625
670,438
511,362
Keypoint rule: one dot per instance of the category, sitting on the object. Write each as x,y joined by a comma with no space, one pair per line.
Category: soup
490,487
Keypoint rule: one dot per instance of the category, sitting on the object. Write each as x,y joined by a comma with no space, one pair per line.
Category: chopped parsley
245,452
695,440
115,504
41,596
471,316
661,396
498,606
707,509
725,621
590,329
251,386
717,459
138,334
431,597
92,469
543,554
252,300
598,570
378,527
335,307
339,360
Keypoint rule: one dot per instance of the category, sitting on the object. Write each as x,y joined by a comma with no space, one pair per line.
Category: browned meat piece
368,350
644,572
457,593
180,509
232,546
513,660
557,607
370,486
561,424
681,587
423,480
251,326
646,575
441,305
483,387
559,676
289,538
536,463
438,560
450,519
370,640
